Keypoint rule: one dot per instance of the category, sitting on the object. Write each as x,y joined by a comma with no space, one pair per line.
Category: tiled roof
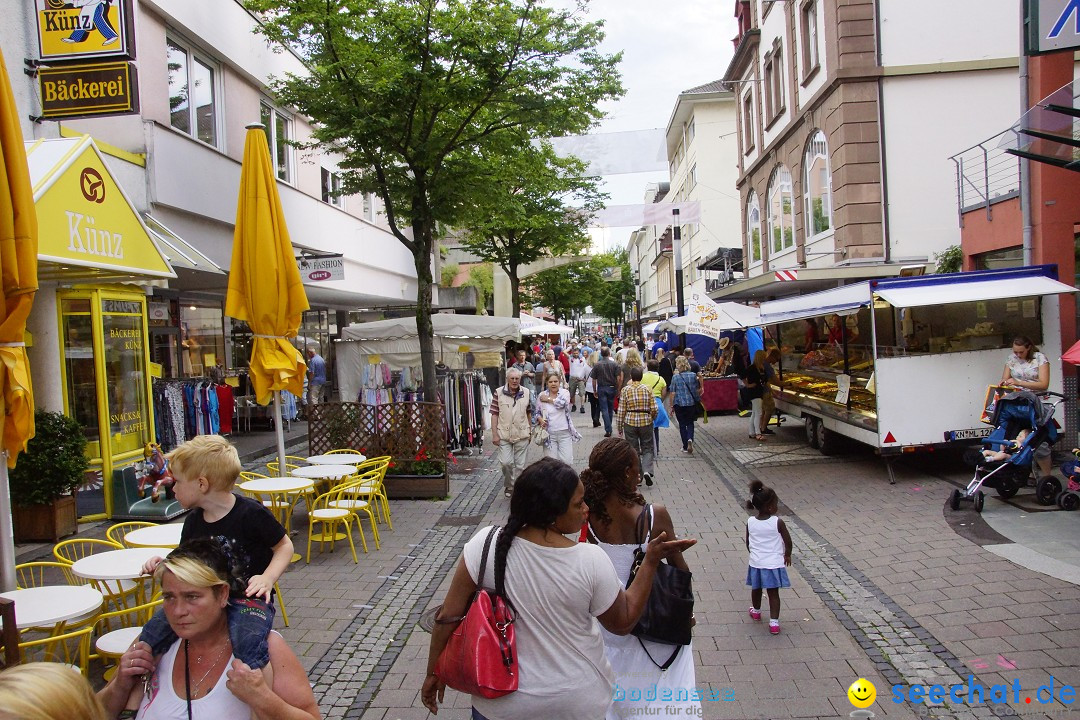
710,87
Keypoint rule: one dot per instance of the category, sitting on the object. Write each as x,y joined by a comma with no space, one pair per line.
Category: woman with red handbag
558,590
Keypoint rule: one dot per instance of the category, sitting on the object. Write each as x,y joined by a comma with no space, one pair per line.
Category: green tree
613,298
420,98
949,260
482,277
563,289
538,205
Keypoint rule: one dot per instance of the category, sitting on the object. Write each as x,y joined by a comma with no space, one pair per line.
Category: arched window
781,212
753,229
817,187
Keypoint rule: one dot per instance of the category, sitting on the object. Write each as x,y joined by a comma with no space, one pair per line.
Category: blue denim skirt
758,578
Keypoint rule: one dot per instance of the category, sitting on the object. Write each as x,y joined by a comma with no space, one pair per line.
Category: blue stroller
1016,412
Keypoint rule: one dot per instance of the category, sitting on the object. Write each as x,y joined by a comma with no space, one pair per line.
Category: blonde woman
47,691
687,394
552,367
633,359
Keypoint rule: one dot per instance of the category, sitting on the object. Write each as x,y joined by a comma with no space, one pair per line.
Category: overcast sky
668,46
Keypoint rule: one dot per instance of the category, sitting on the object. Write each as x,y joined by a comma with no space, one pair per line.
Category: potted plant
44,479
421,476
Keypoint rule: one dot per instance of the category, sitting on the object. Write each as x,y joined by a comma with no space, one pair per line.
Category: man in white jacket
579,374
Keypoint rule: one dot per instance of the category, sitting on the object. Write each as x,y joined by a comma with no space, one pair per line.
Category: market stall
719,394
903,363
462,342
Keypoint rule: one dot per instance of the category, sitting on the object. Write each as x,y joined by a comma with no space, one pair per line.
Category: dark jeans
594,407
250,621
656,439
476,715
686,414
607,404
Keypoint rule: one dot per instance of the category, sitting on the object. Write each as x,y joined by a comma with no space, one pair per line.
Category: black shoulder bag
669,610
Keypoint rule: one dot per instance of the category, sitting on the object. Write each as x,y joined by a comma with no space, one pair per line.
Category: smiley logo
862,693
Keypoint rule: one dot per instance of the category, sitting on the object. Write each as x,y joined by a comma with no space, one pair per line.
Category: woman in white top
560,588
553,414
1028,369
611,490
198,677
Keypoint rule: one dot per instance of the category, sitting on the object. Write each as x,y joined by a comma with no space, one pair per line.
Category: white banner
703,316
616,153
646,214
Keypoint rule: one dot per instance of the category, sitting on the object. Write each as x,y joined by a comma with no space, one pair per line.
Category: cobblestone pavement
883,587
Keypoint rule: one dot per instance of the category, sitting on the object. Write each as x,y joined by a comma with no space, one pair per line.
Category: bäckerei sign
88,90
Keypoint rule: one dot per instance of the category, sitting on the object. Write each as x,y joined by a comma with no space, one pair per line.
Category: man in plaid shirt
637,411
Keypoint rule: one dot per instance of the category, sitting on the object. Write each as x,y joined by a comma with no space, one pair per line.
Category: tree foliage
573,288
537,205
949,260
422,97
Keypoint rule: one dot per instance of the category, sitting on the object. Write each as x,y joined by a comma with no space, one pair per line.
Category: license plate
972,434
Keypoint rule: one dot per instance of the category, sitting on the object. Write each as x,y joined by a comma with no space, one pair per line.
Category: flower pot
417,486
45,522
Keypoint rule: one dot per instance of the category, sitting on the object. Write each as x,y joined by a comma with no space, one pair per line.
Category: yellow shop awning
88,228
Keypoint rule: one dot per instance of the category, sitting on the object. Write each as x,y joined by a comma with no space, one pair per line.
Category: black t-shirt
755,376
248,533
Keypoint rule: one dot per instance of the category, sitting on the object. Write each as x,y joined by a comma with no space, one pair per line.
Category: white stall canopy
913,294
461,342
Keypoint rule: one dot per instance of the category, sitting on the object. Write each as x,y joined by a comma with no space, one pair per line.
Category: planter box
417,486
45,522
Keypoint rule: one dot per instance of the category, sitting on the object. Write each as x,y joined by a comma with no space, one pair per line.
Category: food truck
903,364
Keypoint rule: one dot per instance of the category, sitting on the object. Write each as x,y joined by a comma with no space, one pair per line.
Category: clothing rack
188,407
465,394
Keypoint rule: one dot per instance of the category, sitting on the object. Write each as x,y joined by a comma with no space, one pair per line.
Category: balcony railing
985,174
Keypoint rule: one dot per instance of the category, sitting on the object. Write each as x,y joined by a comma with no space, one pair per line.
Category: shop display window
80,373
202,338
957,327
125,346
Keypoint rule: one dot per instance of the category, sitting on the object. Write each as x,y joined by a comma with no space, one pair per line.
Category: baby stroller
1014,413
1069,498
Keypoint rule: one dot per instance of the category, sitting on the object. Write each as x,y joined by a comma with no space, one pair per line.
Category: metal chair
120,593
119,531
43,572
111,644
325,514
352,499
376,488
71,647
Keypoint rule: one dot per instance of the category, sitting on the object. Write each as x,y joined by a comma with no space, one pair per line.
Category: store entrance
106,384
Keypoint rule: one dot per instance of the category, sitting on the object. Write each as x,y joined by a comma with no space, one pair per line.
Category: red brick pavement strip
1001,620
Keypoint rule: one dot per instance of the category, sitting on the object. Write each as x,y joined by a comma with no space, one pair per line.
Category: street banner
703,316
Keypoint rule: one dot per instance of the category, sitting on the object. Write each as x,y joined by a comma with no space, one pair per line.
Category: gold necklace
198,661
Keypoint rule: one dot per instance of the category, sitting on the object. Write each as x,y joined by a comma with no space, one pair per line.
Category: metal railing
985,174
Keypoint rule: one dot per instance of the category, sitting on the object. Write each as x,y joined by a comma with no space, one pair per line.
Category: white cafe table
158,536
284,493
116,564
337,459
323,472
52,604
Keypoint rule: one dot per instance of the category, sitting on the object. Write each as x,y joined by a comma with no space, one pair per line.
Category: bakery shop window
956,327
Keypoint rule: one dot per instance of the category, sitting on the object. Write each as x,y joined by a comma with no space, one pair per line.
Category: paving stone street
888,584
883,588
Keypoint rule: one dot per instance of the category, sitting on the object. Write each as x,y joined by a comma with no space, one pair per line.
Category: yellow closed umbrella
18,281
264,283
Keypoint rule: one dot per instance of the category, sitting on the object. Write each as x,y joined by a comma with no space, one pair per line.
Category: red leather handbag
480,658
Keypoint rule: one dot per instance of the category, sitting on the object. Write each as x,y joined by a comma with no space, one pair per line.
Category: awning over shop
179,252
955,288
840,301
444,325
799,281
89,230
1048,132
